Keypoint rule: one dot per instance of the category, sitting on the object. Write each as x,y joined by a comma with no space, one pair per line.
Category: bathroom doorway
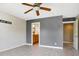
68,35
35,34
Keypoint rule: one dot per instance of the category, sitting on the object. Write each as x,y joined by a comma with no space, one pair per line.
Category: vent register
6,22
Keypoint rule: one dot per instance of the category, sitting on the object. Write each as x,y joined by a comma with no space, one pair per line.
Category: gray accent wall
51,31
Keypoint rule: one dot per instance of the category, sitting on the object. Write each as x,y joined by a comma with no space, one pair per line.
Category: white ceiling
17,9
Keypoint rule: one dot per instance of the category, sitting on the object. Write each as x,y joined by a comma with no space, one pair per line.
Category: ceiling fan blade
37,4
28,11
28,4
37,12
44,8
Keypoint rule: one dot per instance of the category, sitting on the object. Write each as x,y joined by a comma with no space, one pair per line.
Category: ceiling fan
36,6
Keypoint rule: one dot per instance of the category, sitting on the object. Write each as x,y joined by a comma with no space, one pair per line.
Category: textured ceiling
17,9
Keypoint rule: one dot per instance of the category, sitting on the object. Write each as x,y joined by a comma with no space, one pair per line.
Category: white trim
75,40
12,47
51,47
68,22
46,46
32,34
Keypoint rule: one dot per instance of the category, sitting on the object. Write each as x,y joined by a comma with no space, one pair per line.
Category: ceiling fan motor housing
36,8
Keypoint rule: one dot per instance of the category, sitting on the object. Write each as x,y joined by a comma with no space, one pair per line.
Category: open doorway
68,35
35,32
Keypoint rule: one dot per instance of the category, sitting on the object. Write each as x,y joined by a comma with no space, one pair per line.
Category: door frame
32,33
69,22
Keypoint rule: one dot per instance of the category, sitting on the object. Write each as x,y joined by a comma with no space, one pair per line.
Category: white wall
75,40
12,35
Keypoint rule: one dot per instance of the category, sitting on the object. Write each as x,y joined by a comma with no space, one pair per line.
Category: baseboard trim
46,46
12,47
51,47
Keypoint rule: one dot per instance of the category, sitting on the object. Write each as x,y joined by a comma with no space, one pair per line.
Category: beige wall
12,35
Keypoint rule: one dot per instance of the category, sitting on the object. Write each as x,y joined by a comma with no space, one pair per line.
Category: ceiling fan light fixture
36,8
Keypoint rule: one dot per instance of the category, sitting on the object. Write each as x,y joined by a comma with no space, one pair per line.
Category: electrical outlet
55,43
